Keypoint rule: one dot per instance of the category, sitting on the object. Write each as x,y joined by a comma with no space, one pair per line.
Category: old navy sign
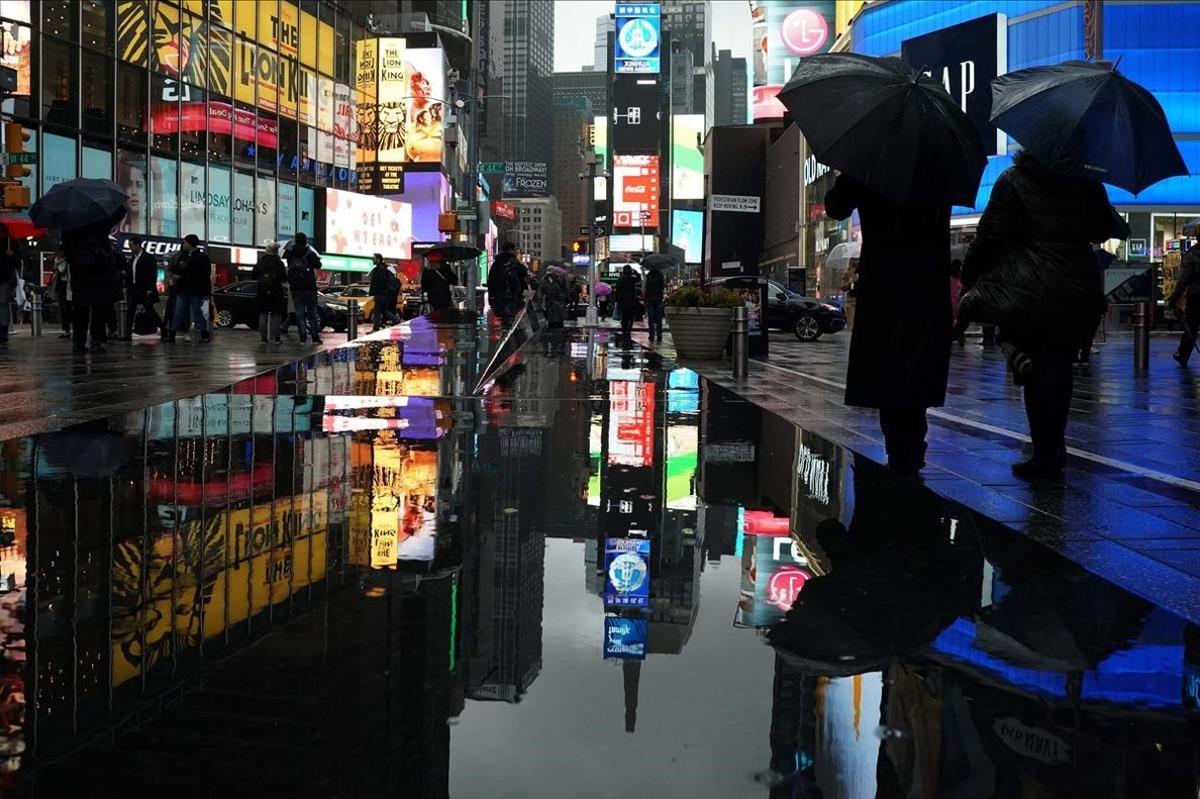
965,58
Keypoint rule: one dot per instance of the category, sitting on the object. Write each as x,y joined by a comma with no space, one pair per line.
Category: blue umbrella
1087,119
78,203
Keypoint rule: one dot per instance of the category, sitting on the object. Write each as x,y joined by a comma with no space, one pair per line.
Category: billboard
357,224
635,191
525,179
687,158
687,233
626,572
426,74
625,638
631,423
429,195
774,570
638,39
785,31
635,114
600,146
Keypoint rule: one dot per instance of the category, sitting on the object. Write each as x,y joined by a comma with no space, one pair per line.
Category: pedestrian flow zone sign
733,202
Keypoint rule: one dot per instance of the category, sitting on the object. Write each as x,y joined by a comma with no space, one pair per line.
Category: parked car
236,304
806,318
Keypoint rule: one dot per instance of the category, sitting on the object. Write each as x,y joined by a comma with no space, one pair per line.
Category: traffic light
579,246
15,137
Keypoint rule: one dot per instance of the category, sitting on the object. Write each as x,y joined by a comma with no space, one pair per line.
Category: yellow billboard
208,575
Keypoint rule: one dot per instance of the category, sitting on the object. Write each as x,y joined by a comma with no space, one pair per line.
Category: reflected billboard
625,638
774,570
626,572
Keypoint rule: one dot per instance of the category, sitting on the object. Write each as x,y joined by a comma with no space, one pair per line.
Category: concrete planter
699,333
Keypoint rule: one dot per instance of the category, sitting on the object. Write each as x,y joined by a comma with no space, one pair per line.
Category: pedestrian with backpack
271,289
302,265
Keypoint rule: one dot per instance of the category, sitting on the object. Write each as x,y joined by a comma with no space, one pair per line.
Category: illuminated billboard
357,224
600,145
774,570
637,40
687,233
635,191
625,638
626,572
631,423
687,159
784,31
426,81
636,123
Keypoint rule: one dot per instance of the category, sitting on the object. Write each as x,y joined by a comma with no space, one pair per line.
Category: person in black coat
143,294
270,277
627,295
95,268
436,282
192,285
1187,286
381,291
900,345
656,286
10,273
1031,270
506,282
302,266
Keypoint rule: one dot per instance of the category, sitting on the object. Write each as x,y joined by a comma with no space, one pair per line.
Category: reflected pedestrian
193,284
94,267
1185,300
302,265
380,290
271,292
1032,271
900,343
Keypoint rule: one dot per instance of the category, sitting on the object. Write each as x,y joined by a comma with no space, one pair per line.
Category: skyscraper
729,89
604,26
528,80
572,118
689,22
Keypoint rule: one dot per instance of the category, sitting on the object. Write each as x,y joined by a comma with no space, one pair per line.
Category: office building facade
528,79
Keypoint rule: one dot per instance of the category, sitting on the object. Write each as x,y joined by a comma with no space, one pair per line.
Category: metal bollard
122,318
352,323
1141,336
35,314
741,342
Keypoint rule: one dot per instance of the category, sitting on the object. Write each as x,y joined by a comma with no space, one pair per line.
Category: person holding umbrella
95,269
554,294
437,280
627,301
1185,300
654,293
905,153
380,290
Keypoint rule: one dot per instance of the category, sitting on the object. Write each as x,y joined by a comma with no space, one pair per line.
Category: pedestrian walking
144,291
302,265
656,286
900,344
381,292
1032,271
1185,301
94,270
270,277
555,294
10,274
60,287
436,282
627,295
193,285
506,282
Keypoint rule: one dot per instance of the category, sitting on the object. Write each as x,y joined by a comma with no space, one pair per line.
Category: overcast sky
575,29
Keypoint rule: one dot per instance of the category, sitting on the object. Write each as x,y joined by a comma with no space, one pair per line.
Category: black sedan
237,304
808,319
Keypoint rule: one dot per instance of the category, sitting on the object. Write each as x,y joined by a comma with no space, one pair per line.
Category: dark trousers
1191,316
65,312
185,303
904,430
627,321
379,311
93,319
1048,402
654,318
142,301
308,318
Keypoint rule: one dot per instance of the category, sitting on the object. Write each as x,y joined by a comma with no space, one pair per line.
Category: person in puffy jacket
900,344
1187,286
1032,271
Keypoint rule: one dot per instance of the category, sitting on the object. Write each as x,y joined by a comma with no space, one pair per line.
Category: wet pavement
606,576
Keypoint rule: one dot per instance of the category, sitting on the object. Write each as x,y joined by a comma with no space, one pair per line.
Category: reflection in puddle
294,587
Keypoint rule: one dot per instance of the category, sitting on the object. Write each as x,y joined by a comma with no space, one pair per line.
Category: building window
97,24
59,18
132,97
60,96
97,94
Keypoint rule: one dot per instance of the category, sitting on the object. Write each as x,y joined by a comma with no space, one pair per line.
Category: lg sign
804,32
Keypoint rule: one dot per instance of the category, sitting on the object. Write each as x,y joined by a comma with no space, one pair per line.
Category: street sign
20,158
467,216
1128,284
585,230
741,203
491,167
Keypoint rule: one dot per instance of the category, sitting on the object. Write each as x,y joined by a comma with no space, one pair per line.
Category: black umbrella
452,251
1087,119
78,203
658,261
886,125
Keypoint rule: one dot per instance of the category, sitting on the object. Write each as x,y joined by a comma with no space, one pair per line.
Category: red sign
764,103
219,118
804,32
785,586
504,210
635,191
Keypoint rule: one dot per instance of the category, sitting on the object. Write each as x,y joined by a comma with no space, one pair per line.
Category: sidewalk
1132,491
44,387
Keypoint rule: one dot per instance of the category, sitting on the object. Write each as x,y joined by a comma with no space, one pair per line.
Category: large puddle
351,578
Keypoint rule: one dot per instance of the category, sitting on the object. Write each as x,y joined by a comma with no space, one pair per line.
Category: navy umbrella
888,126
78,203
1087,119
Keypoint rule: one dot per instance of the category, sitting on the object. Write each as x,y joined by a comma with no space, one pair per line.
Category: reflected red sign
785,585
